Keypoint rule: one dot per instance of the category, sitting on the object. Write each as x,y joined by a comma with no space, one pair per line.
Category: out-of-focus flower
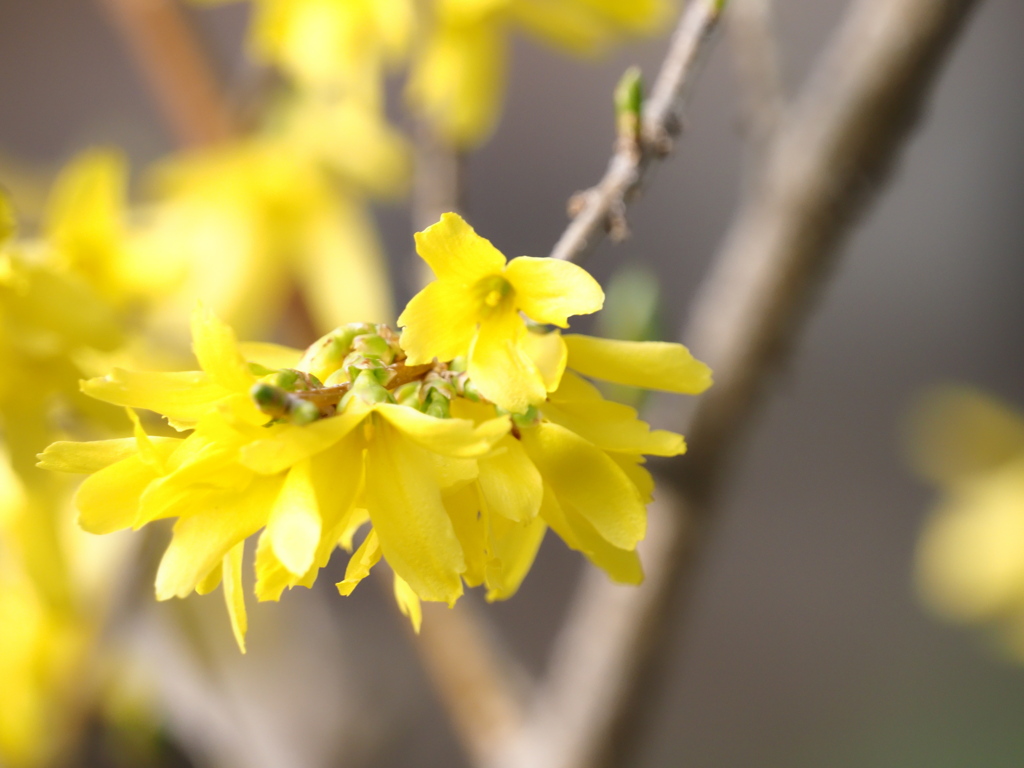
458,73
310,447
332,45
970,564
473,310
258,219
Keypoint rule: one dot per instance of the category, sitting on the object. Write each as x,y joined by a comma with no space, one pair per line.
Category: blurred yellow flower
970,564
258,219
458,72
473,310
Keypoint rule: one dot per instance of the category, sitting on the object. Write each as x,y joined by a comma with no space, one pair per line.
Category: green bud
260,370
303,412
459,364
286,379
324,356
340,376
373,346
408,394
629,101
438,405
272,400
526,419
366,387
465,387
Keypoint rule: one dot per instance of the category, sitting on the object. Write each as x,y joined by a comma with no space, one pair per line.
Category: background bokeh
806,646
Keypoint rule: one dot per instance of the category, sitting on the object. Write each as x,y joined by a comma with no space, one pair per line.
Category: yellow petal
455,252
272,578
344,271
294,524
459,438
86,458
216,349
359,565
463,508
622,565
440,321
549,354
408,603
586,479
500,368
147,449
510,484
203,538
552,290
405,506
514,547
338,478
211,580
646,364
273,356
288,444
234,594
181,396
108,500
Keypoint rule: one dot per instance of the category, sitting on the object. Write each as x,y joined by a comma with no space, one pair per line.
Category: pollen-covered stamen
495,294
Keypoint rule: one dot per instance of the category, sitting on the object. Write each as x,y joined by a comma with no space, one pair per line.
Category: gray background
807,645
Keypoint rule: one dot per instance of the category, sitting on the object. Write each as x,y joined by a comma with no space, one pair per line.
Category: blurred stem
178,72
601,208
756,60
829,160
439,172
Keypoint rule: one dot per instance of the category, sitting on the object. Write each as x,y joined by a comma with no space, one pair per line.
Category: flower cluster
970,564
456,444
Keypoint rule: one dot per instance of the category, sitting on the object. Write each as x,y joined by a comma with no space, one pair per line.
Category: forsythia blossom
456,445
970,564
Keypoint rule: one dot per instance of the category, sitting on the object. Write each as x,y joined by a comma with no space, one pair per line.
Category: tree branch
829,161
601,208
175,67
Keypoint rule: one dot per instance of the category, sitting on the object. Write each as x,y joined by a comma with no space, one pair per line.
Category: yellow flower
474,306
330,44
970,562
458,76
310,447
254,219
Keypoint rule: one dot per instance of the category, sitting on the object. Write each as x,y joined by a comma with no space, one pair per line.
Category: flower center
495,294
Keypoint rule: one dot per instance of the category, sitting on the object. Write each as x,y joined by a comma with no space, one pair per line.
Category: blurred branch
756,59
176,68
602,208
476,681
829,161
438,180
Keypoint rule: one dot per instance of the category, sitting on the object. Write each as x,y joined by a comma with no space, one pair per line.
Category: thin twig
756,60
601,209
174,64
829,161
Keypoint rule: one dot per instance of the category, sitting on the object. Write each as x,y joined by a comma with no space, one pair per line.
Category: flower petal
455,252
646,364
621,565
551,290
182,396
203,538
359,565
108,500
416,536
288,444
408,603
86,458
514,547
586,479
273,356
499,367
234,594
294,524
216,349
549,354
440,321
510,484
459,438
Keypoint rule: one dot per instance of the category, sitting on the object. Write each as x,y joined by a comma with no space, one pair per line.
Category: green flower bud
287,379
526,419
408,394
367,387
437,405
272,400
303,412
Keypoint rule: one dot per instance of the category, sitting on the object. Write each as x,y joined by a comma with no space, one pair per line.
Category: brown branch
756,60
175,67
601,208
827,164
